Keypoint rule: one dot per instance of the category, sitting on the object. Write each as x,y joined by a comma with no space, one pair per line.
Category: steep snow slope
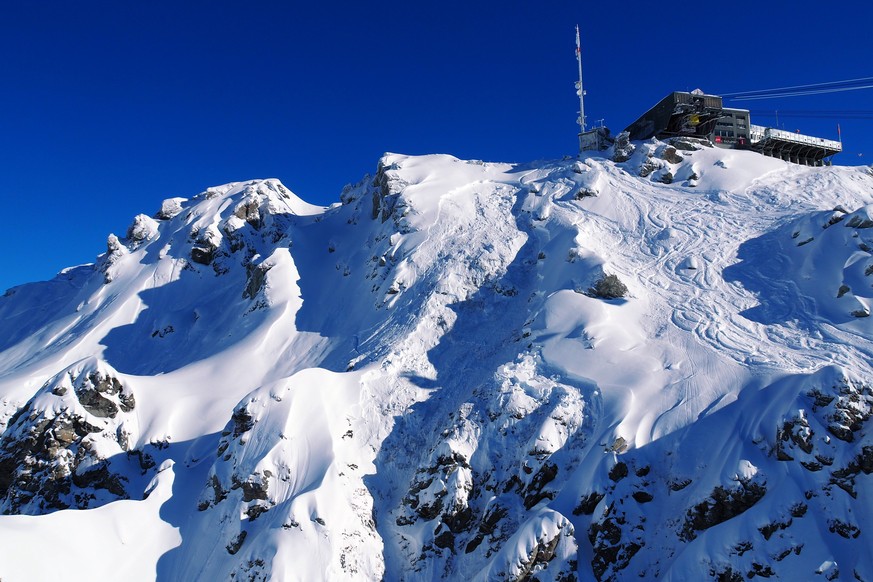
422,381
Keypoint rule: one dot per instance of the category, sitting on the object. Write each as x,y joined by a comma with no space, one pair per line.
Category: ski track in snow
711,232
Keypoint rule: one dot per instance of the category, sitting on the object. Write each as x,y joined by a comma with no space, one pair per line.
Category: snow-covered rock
71,444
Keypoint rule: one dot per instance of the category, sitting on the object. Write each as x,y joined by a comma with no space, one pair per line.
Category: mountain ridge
421,380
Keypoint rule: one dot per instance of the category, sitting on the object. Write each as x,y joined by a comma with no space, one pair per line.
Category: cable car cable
793,88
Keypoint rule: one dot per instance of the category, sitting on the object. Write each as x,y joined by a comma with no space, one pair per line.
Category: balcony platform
792,147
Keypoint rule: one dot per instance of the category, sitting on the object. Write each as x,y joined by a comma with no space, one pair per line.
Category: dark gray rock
588,504
859,222
202,255
257,277
610,551
669,155
722,504
623,149
250,211
608,287
236,543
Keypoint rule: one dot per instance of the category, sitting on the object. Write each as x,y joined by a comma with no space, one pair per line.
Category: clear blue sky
107,108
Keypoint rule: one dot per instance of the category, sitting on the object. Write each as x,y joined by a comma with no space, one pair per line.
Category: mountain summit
585,369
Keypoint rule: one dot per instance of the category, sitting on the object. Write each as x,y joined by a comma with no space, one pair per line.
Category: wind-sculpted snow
656,368
817,266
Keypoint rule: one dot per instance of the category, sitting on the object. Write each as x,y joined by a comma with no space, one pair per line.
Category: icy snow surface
422,381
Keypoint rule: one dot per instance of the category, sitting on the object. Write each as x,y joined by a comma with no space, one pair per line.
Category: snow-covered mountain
653,368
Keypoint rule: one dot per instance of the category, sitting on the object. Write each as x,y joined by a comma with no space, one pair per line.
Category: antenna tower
579,90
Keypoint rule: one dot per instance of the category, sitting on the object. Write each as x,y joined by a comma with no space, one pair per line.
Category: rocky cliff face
655,367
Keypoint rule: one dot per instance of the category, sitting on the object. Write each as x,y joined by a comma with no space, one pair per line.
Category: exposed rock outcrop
60,449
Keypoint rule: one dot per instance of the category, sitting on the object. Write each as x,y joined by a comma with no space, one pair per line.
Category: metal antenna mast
579,90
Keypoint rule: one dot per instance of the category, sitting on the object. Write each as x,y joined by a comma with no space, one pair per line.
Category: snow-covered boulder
71,445
170,208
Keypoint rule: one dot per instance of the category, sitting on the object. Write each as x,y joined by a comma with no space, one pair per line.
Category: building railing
759,133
